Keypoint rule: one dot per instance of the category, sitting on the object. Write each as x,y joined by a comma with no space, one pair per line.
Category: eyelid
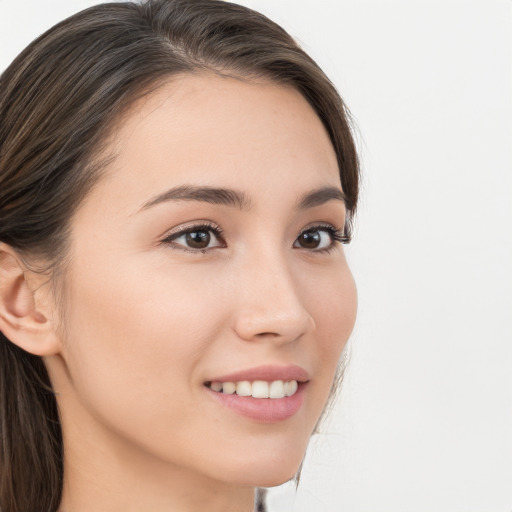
190,226
200,225
338,235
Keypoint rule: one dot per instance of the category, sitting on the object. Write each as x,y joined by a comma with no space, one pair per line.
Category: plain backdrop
424,420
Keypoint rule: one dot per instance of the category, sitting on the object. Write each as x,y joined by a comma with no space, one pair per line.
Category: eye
320,238
196,238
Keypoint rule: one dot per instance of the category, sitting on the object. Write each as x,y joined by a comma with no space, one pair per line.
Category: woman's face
208,254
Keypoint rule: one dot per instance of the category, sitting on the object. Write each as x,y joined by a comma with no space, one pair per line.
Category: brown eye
309,239
196,238
316,239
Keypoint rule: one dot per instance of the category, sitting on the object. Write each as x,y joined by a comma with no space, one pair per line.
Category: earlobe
24,320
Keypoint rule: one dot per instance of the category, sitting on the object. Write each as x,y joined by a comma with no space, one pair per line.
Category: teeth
260,389
290,387
277,389
257,389
217,386
226,387
243,388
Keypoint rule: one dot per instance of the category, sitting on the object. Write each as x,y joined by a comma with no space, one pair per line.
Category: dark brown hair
58,100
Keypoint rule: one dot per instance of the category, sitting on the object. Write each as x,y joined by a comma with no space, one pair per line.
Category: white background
424,421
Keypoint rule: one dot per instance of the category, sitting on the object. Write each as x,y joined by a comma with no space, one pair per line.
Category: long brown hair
58,100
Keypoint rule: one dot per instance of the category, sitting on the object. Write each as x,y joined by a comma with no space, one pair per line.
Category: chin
268,478
270,481
269,472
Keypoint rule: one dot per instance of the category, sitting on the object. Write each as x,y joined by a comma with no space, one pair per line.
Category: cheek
332,302
338,315
334,311
137,340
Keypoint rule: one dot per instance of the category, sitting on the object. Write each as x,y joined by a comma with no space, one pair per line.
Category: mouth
267,394
256,389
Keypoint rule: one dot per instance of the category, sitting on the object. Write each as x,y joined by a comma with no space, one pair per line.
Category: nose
269,304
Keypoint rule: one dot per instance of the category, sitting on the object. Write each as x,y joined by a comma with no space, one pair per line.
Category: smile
256,389
264,394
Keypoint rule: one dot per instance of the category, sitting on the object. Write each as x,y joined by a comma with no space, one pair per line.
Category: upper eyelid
341,235
319,225
214,227
325,226
169,238
188,228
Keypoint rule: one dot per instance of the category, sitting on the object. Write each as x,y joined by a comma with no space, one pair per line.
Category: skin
149,321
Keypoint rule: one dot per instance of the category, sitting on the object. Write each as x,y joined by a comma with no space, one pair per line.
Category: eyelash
184,230
336,235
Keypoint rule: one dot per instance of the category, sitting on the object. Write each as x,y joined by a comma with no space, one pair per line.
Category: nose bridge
270,304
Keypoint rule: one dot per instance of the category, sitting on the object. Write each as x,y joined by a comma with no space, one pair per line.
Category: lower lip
262,410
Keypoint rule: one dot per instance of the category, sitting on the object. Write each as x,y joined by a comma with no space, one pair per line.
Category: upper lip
268,373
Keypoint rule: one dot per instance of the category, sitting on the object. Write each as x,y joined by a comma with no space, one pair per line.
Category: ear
25,311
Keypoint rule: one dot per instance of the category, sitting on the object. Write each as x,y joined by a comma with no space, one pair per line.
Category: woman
176,180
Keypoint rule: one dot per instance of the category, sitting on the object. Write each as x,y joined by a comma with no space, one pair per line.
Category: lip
267,373
263,410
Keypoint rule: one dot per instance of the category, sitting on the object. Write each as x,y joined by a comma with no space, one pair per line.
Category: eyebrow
212,195
237,199
320,196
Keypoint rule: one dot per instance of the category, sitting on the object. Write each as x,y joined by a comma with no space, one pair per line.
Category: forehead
210,130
